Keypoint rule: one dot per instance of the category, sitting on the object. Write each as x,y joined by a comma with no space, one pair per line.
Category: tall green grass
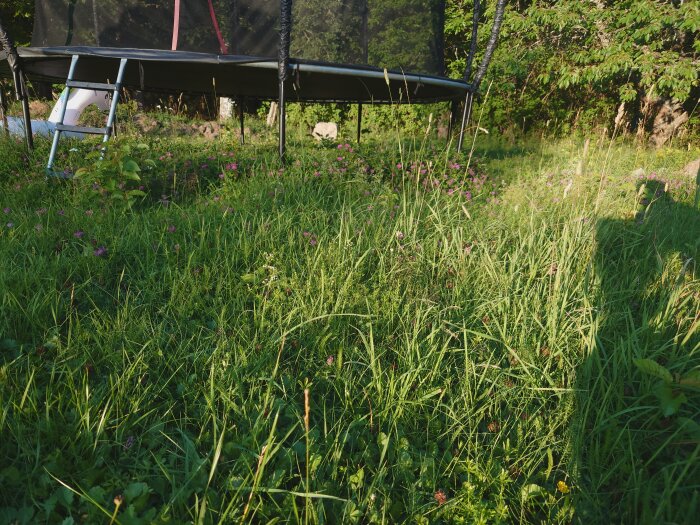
467,360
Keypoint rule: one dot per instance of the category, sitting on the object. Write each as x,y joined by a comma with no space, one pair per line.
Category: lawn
363,334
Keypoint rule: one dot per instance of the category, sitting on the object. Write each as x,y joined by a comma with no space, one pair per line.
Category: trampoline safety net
396,34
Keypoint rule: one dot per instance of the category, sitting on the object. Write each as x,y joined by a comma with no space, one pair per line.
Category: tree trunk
668,118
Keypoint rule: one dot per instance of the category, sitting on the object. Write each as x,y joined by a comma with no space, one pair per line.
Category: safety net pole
483,66
365,57
241,119
283,67
467,107
15,64
491,45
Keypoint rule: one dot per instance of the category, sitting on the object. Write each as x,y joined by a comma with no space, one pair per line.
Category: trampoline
353,51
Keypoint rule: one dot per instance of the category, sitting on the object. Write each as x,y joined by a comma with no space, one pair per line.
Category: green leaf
652,368
670,403
357,479
64,496
131,175
134,490
690,426
531,491
130,165
691,379
97,493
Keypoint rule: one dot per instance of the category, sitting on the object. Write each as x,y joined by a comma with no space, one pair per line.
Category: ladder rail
115,101
62,114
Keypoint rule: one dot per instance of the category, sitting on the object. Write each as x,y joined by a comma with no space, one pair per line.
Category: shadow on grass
637,442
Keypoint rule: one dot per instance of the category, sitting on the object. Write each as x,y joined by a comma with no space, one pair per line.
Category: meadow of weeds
193,332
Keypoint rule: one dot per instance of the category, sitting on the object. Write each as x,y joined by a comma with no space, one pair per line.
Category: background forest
564,64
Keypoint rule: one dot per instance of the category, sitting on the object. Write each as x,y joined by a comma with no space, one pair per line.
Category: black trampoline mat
238,75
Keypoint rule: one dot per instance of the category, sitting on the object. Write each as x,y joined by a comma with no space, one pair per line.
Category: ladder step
83,129
97,86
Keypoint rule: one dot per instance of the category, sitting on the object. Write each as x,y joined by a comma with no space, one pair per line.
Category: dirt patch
40,109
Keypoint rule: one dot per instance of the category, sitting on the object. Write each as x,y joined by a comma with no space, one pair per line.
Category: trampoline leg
466,115
283,121
453,116
3,111
22,93
359,122
241,121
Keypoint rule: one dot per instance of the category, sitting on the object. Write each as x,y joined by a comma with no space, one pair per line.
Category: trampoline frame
465,88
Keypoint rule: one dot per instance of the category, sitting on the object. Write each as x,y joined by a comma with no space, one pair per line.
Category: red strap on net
222,44
215,23
176,25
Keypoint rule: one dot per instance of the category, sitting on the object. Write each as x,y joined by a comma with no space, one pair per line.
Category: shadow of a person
637,444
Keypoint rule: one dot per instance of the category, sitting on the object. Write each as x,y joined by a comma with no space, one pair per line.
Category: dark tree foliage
18,18
563,59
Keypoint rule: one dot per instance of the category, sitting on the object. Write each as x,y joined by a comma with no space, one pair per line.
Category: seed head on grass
118,501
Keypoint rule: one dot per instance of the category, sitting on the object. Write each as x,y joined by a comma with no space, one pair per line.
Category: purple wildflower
78,234
330,360
99,252
6,211
10,225
171,228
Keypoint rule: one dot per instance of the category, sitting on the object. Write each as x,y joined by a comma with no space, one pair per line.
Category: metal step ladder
106,132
